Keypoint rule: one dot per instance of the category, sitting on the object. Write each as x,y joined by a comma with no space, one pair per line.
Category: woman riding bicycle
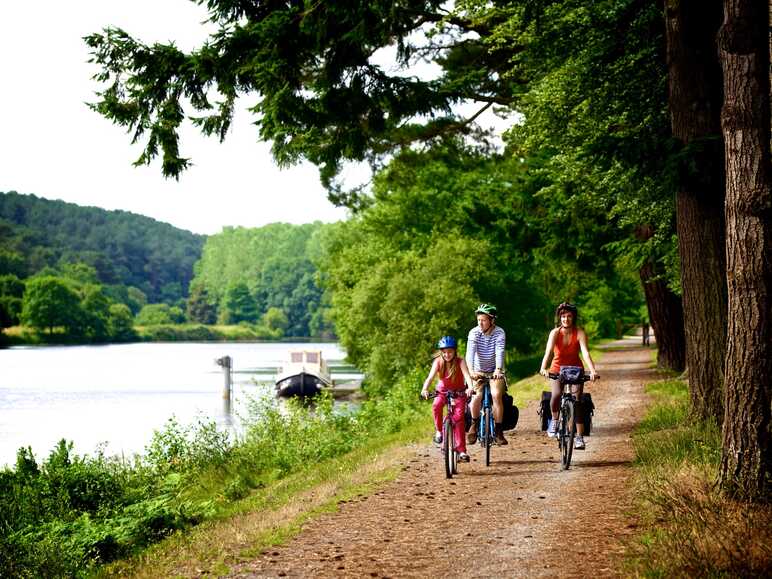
564,344
452,371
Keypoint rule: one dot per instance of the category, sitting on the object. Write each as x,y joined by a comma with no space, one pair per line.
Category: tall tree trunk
743,42
667,320
695,112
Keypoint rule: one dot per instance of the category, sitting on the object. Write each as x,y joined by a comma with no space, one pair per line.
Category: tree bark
695,97
745,118
667,320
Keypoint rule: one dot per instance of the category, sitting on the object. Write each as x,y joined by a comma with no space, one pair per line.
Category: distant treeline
123,248
83,274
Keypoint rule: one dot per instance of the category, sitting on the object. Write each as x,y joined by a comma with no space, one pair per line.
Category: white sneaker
579,442
552,429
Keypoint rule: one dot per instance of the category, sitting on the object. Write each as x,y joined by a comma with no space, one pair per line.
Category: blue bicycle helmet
447,342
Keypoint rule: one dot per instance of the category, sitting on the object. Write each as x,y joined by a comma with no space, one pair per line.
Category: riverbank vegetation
67,514
687,526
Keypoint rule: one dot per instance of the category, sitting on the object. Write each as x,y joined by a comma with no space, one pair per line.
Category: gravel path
512,519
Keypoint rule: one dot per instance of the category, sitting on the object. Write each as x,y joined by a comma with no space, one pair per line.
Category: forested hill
124,248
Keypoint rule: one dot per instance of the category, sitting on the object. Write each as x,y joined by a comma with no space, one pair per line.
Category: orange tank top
455,382
566,354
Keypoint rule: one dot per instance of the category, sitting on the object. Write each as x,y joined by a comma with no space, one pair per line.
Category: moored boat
304,374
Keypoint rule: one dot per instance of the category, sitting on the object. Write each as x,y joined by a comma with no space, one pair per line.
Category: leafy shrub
177,448
281,440
202,333
179,333
236,489
400,406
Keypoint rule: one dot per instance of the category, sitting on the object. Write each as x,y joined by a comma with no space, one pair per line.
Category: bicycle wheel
447,448
568,431
488,440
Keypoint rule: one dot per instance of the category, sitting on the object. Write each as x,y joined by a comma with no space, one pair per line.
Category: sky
53,146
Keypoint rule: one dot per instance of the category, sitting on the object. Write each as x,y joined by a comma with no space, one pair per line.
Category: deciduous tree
49,303
121,323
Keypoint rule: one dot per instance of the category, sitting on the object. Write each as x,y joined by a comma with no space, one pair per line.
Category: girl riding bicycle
564,344
451,370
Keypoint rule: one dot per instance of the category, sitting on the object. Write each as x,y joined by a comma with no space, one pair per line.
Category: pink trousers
459,408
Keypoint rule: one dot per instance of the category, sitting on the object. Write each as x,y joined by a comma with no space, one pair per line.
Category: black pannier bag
544,409
511,413
588,407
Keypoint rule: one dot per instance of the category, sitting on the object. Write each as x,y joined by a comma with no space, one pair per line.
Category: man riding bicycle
485,359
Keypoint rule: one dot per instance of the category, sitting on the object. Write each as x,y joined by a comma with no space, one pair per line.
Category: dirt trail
511,519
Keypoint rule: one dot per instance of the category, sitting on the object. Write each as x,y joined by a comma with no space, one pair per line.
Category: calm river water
119,394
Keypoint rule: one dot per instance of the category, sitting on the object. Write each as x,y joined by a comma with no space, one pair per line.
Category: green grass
667,438
687,527
527,389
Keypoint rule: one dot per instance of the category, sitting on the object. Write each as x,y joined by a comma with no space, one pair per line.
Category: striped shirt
485,353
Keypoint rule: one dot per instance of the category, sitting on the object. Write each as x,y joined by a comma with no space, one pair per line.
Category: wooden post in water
227,365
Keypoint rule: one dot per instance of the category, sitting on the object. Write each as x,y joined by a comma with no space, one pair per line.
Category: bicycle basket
571,374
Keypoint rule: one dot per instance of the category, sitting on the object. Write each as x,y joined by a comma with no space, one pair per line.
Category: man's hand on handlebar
544,372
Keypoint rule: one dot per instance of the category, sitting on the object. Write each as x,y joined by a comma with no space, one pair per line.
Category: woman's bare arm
586,354
548,352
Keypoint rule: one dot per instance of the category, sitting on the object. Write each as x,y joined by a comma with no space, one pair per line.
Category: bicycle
567,376
449,452
486,427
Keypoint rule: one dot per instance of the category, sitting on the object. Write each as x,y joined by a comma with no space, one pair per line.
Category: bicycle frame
486,428
566,426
